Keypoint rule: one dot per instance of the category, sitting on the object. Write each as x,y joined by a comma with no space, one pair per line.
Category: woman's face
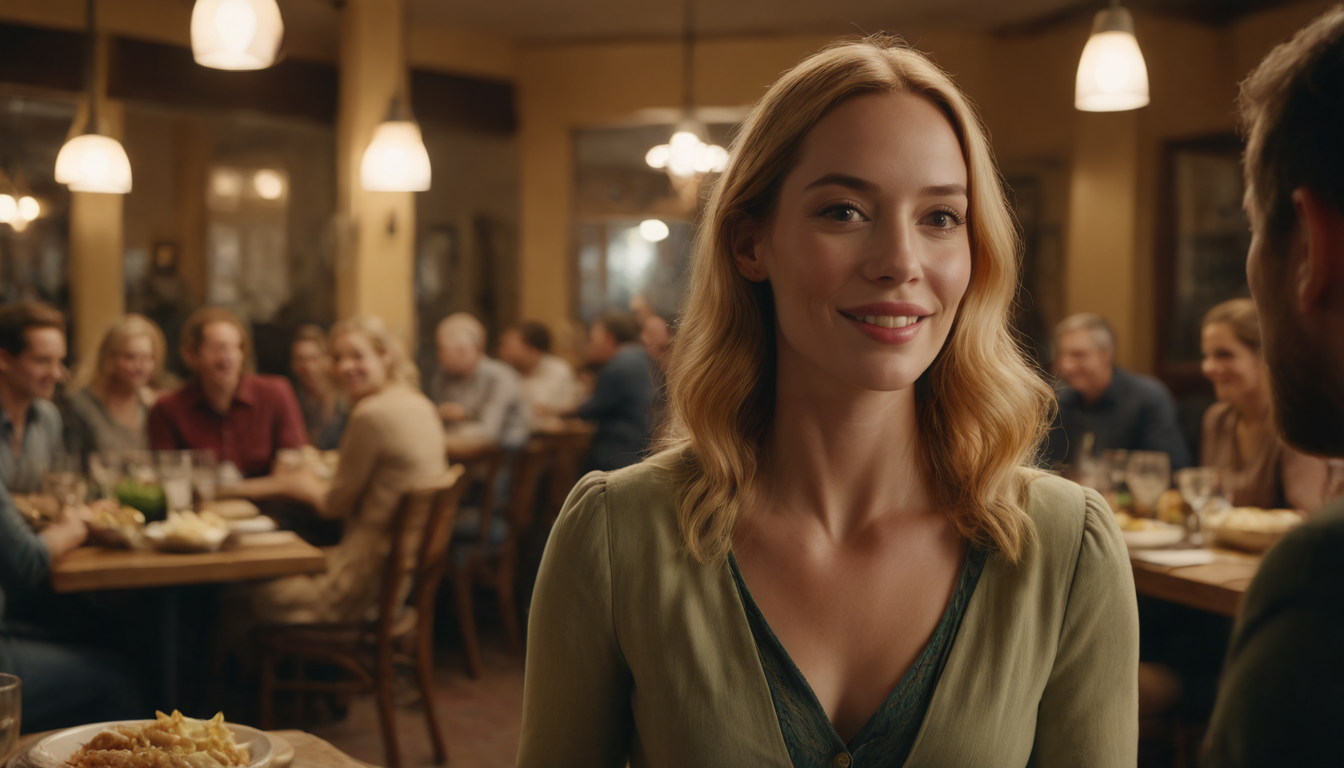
1236,370
359,367
308,363
868,252
133,364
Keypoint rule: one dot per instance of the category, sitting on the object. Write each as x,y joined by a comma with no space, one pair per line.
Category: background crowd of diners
355,389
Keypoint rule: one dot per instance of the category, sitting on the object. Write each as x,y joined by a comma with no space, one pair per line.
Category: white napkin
1174,558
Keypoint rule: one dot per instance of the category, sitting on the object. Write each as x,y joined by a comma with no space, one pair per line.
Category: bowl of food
1144,533
1252,529
113,525
187,531
168,741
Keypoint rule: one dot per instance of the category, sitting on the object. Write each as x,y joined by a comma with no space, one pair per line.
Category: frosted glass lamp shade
1112,76
236,34
396,160
28,207
654,230
94,163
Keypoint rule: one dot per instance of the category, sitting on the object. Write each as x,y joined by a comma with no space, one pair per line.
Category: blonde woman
1256,468
392,443
110,406
841,557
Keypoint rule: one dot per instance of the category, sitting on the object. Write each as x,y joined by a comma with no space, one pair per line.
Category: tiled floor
480,718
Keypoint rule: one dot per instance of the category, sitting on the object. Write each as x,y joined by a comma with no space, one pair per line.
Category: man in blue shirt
1120,408
622,396
62,684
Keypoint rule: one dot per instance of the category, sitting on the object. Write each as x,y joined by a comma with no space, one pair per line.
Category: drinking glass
1198,485
106,467
175,477
139,466
1116,461
204,476
11,711
64,480
1148,474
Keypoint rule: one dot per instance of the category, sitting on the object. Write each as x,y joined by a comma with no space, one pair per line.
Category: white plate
56,749
257,524
1161,535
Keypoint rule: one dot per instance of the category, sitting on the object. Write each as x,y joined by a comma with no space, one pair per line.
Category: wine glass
1148,474
64,480
204,475
1198,485
105,467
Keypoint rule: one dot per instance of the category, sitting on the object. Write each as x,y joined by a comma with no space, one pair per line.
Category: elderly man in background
623,394
548,381
244,418
1282,695
1120,408
478,397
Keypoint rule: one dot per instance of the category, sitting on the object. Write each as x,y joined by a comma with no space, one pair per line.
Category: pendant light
1111,74
688,155
93,162
236,34
396,159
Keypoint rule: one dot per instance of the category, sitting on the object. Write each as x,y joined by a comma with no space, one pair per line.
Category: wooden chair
370,649
569,450
495,563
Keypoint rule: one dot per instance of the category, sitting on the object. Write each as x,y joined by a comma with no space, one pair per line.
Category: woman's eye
943,219
842,213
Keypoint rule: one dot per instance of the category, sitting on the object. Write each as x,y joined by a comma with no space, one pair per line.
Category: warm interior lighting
268,184
29,208
94,163
687,155
9,209
1112,76
654,230
396,160
236,34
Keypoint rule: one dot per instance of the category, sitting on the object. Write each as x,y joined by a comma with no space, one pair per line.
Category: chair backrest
438,501
484,466
528,466
569,449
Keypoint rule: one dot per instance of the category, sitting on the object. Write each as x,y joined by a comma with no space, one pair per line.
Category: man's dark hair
1292,112
535,334
19,317
622,326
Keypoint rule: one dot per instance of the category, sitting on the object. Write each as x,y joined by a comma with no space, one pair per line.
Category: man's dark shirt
620,405
1282,696
1135,414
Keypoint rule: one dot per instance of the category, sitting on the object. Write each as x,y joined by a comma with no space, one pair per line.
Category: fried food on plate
171,741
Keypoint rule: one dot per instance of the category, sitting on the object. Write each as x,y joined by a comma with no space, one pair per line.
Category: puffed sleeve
576,696
1090,707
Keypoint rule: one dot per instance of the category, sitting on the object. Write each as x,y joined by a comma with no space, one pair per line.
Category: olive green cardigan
637,652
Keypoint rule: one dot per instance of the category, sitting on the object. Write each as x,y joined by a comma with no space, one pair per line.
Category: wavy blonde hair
982,408
400,369
122,330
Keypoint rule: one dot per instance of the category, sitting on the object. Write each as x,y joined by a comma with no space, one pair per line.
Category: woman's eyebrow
945,190
853,182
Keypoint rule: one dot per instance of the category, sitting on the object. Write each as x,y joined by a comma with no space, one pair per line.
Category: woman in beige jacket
392,442
840,558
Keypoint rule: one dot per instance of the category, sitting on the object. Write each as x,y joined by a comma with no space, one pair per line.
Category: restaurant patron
242,416
109,409
477,396
842,557
32,363
622,399
1122,409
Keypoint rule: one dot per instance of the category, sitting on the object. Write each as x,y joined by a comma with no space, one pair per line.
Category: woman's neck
1254,409
844,455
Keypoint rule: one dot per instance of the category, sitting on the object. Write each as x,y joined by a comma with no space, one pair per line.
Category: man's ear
746,250
1320,236
6,360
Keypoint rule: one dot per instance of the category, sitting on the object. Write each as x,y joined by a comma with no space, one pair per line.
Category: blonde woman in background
1255,466
393,442
109,409
841,557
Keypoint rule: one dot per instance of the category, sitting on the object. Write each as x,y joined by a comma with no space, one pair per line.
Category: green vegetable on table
148,498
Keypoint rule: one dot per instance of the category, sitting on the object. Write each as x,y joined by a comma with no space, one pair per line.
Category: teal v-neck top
885,740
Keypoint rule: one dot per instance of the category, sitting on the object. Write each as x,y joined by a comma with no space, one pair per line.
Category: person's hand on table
65,535
452,411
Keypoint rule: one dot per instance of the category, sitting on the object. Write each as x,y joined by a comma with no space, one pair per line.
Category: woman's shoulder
393,402
634,508
1070,521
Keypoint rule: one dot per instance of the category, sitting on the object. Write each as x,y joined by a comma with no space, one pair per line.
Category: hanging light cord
688,60
91,67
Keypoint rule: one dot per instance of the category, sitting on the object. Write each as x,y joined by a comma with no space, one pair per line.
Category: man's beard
1307,388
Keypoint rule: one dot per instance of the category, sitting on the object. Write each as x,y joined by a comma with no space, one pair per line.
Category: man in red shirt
243,417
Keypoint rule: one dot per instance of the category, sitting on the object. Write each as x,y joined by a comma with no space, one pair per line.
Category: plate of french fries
187,531
168,741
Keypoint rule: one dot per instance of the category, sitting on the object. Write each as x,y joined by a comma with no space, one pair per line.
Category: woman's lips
888,329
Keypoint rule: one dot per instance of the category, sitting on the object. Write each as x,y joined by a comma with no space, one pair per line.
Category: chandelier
688,156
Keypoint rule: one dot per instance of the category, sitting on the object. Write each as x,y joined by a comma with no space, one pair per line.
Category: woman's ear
746,247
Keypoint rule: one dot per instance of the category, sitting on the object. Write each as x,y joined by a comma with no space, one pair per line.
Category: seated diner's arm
361,445
576,696
1306,480
608,394
1282,691
26,557
1089,710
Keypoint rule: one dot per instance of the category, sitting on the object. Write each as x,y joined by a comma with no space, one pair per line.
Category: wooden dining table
1215,587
